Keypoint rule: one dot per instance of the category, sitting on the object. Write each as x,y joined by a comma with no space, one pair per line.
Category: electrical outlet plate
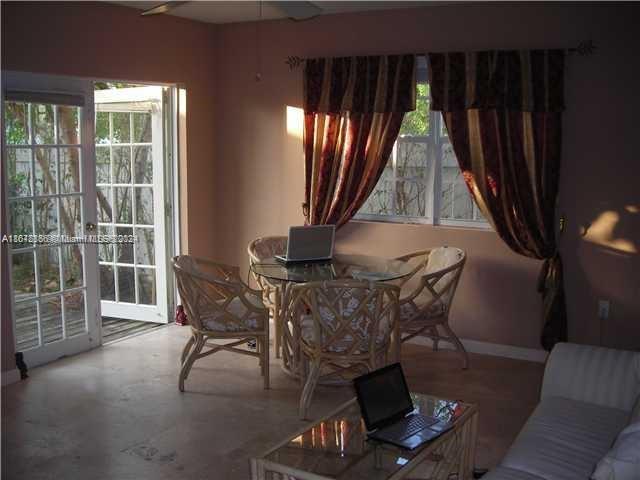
603,309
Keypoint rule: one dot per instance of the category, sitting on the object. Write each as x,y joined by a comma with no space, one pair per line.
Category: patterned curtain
353,110
503,112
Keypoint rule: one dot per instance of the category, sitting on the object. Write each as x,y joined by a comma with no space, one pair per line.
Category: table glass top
337,447
360,267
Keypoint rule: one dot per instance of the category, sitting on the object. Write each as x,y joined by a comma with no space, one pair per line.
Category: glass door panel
130,197
48,170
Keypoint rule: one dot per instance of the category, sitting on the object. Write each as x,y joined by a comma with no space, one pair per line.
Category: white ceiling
248,11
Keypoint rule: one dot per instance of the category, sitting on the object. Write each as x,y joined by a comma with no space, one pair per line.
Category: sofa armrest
602,376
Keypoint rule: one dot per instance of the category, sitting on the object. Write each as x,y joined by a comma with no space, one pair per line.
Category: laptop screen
383,395
310,243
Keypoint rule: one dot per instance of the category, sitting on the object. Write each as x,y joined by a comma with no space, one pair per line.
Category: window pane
20,220
121,128
105,204
380,201
19,166
24,275
105,249
26,315
124,248
123,205
126,285
144,206
141,127
74,319
411,160
48,270
145,251
143,165
42,124
121,165
107,283
72,273
69,170
102,127
46,171
147,286
46,216
103,165
410,199
16,118
51,318
71,213
68,125
416,122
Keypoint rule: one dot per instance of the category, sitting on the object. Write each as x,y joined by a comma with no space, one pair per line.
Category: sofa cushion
622,462
504,473
564,439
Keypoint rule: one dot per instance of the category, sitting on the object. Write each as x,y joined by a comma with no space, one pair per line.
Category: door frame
174,158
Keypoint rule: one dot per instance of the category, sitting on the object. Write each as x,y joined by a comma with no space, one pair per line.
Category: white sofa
588,396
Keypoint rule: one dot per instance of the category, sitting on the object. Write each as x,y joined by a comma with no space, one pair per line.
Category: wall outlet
603,309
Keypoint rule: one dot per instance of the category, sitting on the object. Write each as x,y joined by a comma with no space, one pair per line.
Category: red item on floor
181,317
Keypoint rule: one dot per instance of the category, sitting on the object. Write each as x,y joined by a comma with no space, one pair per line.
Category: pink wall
260,185
112,42
244,171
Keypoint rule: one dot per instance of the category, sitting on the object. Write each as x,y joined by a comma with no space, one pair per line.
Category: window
422,182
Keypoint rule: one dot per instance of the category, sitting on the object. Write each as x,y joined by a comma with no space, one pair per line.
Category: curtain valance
373,84
525,81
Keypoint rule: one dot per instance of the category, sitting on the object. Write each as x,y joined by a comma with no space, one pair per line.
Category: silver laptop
313,243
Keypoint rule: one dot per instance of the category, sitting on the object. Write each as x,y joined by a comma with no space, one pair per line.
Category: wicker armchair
427,295
220,306
259,250
342,327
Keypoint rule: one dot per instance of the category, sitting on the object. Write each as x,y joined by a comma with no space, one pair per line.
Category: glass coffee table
336,447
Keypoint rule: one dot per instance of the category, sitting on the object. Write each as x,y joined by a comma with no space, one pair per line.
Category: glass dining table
341,267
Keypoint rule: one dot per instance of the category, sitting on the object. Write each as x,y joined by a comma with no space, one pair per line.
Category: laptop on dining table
306,244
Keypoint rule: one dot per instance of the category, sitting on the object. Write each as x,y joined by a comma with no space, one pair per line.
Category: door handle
91,227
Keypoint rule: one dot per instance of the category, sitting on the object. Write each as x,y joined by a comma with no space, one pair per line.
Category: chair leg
186,366
265,361
309,388
187,349
276,324
458,344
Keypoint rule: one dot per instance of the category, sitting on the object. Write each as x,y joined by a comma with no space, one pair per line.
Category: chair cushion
564,439
408,310
622,462
215,320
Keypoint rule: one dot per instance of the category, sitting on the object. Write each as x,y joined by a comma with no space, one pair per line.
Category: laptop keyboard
407,427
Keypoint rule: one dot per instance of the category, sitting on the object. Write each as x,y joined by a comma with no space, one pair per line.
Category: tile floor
116,412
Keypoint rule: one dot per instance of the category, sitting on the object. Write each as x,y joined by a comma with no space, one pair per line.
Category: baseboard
10,376
486,348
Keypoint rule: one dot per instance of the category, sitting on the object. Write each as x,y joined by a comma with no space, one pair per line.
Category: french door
130,165
49,186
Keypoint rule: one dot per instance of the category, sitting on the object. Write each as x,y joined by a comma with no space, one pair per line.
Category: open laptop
313,243
388,411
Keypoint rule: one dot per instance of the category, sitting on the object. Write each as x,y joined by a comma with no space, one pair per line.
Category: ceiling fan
298,10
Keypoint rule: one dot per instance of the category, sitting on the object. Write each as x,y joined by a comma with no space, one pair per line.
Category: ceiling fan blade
298,10
162,8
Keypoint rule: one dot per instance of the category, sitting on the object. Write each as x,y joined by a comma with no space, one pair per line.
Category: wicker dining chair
344,328
427,295
220,306
259,250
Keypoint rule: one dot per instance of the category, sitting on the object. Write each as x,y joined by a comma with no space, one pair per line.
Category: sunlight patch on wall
602,232
295,121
